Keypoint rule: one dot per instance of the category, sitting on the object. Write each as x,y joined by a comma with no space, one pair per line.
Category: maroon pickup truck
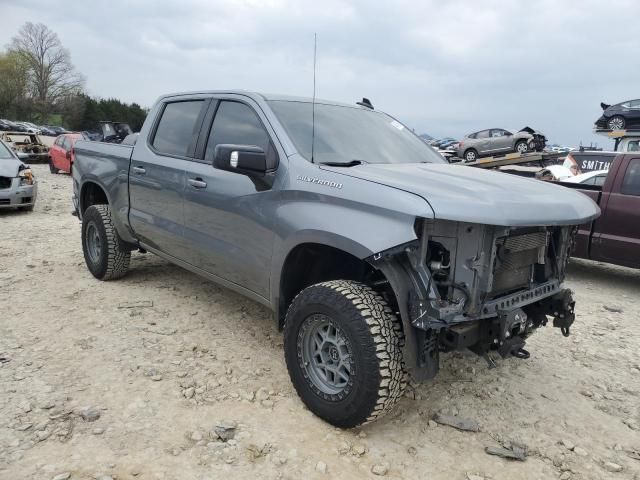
614,237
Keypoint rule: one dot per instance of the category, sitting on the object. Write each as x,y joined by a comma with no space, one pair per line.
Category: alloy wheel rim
94,245
522,148
616,124
326,354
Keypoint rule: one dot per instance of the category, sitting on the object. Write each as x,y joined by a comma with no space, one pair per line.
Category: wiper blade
352,163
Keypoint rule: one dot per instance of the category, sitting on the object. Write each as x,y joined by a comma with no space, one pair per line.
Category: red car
61,152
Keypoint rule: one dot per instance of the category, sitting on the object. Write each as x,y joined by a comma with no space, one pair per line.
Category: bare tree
52,76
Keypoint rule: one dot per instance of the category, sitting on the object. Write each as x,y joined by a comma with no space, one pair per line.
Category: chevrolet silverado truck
615,236
373,252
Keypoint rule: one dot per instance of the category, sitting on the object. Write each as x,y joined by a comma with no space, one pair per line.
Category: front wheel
522,147
105,253
343,348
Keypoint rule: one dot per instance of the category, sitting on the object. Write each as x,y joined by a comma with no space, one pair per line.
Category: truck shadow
150,270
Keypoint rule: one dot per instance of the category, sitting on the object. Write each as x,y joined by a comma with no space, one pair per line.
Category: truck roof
264,97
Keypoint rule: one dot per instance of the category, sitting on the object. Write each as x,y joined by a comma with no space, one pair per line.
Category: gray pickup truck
374,253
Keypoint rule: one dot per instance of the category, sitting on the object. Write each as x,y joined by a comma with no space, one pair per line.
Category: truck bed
594,192
106,165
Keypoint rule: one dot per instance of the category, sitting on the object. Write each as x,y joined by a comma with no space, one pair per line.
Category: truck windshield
348,134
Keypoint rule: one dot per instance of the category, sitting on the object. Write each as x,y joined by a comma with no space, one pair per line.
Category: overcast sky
441,67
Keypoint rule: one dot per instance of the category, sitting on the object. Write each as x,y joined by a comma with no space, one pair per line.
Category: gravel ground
141,377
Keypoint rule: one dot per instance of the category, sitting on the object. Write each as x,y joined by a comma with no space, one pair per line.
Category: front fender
353,228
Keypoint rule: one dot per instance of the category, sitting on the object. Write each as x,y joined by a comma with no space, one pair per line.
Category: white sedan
596,178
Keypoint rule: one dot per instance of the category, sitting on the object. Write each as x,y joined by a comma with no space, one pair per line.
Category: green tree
51,74
13,86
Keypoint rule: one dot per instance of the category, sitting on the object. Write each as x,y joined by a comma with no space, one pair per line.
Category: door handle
197,183
139,170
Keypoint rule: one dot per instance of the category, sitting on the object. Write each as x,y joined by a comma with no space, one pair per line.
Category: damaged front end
481,287
538,141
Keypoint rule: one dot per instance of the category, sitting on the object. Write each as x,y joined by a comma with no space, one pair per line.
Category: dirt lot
129,379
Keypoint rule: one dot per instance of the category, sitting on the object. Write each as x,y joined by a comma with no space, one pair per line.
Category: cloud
446,68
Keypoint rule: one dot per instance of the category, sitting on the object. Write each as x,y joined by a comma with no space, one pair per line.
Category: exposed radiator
515,258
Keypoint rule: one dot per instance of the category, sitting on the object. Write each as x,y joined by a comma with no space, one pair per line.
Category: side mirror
246,159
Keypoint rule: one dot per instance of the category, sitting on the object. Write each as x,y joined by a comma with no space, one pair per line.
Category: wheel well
92,194
470,149
311,263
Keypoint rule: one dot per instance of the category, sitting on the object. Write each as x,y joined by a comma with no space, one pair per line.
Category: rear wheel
52,167
343,348
616,123
105,254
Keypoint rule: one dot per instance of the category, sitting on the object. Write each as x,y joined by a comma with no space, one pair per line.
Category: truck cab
614,237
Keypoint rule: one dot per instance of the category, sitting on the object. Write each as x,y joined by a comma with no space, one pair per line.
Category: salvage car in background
114,132
59,130
596,177
29,144
492,141
18,187
61,153
48,131
9,126
619,116
29,127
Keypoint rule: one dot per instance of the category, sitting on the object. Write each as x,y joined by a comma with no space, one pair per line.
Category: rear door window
237,124
177,127
631,181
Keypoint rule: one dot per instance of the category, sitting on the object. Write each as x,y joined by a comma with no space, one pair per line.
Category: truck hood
9,167
467,194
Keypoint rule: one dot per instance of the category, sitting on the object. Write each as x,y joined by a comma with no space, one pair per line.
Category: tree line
39,83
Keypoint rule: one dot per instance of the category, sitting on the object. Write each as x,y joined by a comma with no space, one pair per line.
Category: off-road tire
521,142
375,335
114,258
471,153
52,168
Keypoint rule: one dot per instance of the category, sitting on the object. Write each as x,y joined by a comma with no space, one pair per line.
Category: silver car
18,186
499,141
